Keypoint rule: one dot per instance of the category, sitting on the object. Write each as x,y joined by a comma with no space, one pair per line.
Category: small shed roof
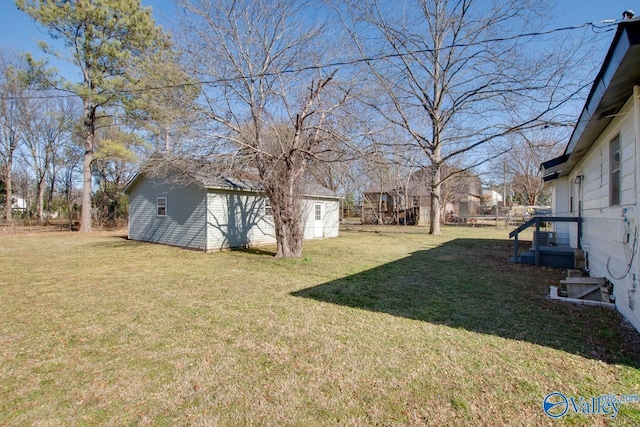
247,183
206,176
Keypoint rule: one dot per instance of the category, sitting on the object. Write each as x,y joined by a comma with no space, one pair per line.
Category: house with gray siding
217,212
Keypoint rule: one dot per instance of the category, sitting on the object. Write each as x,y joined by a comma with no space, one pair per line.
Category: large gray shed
217,212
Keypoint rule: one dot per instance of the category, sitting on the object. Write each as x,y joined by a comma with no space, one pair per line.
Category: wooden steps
583,289
591,288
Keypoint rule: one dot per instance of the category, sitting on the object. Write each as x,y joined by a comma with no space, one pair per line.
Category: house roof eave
611,89
551,168
131,183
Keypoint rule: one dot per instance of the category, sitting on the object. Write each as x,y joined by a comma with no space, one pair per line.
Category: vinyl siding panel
560,202
330,218
560,197
211,219
236,219
603,228
308,213
184,224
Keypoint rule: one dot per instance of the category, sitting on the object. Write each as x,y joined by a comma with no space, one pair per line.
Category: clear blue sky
18,32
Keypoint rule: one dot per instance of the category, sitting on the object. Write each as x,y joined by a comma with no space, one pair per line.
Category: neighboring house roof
418,183
413,189
204,176
611,89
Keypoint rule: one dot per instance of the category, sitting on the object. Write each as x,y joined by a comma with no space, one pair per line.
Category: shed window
161,206
615,163
268,211
318,212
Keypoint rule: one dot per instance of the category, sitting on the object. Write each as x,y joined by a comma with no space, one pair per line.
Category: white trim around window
161,206
318,212
266,207
615,177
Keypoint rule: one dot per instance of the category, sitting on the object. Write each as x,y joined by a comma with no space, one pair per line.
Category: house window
268,211
318,212
614,171
161,206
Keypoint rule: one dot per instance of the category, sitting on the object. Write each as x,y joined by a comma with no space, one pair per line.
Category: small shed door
318,226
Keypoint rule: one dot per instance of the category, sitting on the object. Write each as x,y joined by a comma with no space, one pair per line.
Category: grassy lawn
386,326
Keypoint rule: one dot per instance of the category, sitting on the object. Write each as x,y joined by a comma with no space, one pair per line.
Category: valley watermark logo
557,405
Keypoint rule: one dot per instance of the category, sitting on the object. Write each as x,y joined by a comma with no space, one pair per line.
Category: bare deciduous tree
458,74
261,97
46,128
522,164
112,169
11,101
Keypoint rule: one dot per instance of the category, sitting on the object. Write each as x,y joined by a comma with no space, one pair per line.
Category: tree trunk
290,239
68,183
288,222
286,204
436,185
89,113
8,213
50,189
85,217
40,202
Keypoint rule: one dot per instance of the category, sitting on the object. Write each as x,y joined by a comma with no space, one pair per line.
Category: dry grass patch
381,326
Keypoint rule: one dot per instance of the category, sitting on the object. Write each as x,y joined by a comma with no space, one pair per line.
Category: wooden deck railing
537,220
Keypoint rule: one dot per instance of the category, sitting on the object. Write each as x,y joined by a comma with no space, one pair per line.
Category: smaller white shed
217,212
18,203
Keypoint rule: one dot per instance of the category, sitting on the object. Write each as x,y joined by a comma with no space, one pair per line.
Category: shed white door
318,227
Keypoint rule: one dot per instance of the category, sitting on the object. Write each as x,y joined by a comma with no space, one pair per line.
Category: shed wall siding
308,215
212,219
236,219
184,224
330,217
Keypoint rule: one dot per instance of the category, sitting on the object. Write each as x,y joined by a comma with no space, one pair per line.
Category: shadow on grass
469,284
255,251
116,242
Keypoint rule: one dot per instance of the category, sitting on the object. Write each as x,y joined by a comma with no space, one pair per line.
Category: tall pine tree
104,39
